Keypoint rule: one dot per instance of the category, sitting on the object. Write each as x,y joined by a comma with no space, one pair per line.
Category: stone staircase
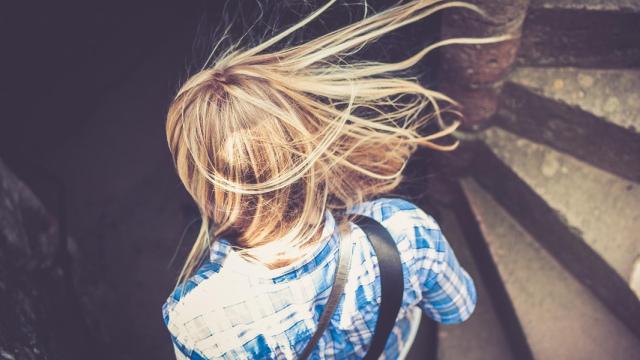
548,200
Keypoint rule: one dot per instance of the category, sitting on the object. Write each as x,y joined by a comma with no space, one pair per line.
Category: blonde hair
266,142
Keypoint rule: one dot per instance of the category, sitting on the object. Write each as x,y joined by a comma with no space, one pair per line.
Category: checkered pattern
234,309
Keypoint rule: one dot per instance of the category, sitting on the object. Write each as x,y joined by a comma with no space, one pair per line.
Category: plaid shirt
234,309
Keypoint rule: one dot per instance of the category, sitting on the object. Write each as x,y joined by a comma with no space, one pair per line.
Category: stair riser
491,277
570,130
556,236
581,38
560,317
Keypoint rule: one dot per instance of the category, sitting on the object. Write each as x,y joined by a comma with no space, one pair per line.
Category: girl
280,150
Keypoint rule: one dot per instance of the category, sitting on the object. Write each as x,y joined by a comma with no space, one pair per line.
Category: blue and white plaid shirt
234,309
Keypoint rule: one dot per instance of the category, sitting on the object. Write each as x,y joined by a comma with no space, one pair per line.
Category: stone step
490,276
592,33
438,195
560,317
482,335
592,114
620,6
585,217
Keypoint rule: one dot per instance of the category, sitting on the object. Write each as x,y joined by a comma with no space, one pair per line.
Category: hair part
266,142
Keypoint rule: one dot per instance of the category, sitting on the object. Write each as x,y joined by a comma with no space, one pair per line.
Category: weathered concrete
436,194
577,33
612,95
635,277
553,231
591,114
595,5
481,336
561,318
602,208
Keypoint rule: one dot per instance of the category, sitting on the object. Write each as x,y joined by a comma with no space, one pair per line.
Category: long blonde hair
266,142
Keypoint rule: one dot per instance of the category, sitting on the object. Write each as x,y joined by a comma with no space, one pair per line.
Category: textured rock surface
129,208
635,277
20,211
612,95
561,318
602,5
593,115
590,33
40,317
481,336
601,207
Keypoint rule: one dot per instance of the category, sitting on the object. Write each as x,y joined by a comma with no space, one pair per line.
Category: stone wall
41,313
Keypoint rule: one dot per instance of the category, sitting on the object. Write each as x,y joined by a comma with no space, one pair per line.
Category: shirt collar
222,253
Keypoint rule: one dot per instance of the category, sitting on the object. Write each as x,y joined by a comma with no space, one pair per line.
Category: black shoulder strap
391,282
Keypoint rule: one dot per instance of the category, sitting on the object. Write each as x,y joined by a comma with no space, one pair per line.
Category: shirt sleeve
179,354
448,292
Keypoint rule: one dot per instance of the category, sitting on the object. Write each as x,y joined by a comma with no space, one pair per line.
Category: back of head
265,142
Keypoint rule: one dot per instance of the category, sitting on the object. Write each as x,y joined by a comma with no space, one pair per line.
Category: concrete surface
561,318
613,95
593,115
593,33
635,277
603,208
481,336
593,5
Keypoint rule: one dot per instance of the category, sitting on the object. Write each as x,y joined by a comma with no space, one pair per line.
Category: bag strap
339,281
391,282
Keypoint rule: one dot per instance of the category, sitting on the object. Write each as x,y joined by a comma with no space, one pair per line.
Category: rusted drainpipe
473,74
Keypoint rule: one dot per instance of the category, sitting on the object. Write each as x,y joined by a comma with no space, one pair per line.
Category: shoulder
206,271
407,223
395,212
188,311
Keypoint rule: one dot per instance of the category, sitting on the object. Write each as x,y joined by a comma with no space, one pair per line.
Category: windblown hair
266,142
